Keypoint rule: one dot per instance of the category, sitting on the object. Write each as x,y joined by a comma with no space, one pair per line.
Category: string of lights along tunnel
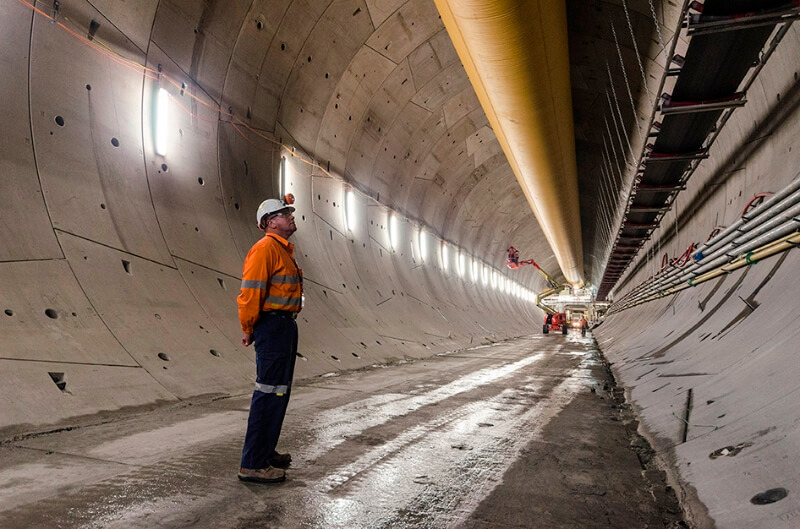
400,231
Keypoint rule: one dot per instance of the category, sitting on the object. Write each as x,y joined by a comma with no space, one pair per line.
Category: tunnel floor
526,433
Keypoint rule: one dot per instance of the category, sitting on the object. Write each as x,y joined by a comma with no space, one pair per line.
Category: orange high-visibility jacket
271,280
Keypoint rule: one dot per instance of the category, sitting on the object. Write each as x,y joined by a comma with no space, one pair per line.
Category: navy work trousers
276,347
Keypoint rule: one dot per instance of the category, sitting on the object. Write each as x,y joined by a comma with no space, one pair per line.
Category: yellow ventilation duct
515,53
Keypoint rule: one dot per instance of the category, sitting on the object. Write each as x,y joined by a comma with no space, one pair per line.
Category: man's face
283,223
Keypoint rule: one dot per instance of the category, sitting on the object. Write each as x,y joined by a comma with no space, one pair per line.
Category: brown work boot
280,460
262,475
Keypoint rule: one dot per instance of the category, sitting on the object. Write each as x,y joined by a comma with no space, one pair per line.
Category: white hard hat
274,205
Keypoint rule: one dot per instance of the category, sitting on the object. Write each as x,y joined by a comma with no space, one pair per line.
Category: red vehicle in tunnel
555,322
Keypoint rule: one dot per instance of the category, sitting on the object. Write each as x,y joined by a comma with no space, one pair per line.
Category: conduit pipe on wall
774,219
729,233
786,222
515,53
783,244
769,227
758,249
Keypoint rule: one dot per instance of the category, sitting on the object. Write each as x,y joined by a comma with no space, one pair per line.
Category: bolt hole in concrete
301,357
88,87
51,313
729,451
127,266
164,167
356,355
9,312
214,352
59,121
102,206
222,284
115,142
164,356
769,496
58,380
335,357
236,206
158,316
200,181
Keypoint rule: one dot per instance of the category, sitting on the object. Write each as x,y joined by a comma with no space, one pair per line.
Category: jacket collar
280,239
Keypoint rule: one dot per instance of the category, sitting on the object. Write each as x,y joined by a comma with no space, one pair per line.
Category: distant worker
513,257
271,297
584,325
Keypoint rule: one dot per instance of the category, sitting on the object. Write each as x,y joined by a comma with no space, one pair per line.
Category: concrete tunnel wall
731,342
120,268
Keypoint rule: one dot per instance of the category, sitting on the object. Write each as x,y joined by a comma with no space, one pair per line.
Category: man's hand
247,339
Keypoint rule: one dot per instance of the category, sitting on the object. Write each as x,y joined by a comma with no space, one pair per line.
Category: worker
271,297
513,256
584,325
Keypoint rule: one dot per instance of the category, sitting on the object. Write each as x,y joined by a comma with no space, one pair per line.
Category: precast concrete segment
515,54
21,201
429,466
86,123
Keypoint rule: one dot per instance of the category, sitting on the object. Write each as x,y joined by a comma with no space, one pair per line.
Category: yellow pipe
515,53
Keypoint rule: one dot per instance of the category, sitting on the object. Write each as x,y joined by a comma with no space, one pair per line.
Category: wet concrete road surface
519,434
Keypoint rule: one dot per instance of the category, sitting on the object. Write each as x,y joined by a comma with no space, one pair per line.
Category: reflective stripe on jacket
271,280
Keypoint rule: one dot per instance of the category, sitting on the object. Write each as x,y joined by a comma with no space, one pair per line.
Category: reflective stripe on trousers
266,388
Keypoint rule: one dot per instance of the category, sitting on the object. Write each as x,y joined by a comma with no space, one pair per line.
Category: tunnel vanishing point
646,150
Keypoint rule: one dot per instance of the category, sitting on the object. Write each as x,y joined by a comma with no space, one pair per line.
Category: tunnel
642,152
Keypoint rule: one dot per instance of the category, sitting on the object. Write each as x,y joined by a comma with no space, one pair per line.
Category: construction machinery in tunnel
122,240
